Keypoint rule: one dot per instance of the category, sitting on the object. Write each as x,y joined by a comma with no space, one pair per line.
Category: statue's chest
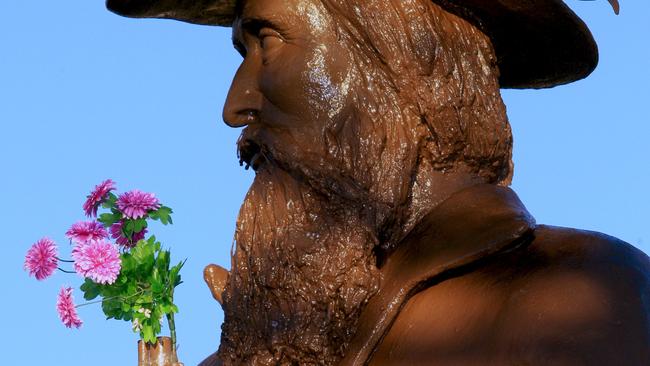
456,322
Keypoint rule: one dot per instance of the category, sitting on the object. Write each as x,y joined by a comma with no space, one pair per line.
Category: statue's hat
539,43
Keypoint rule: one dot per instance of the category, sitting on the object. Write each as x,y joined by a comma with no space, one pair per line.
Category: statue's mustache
261,147
251,151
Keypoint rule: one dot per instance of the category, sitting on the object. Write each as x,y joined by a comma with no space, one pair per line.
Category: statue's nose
244,99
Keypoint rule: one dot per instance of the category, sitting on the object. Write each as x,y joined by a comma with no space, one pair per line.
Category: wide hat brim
538,43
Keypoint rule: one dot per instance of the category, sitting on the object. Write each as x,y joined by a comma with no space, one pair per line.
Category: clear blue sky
86,95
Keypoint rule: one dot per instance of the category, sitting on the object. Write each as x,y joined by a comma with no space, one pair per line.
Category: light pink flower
41,260
135,204
66,309
97,260
97,197
84,231
116,233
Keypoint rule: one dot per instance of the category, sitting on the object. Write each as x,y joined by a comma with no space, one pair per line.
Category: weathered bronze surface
379,229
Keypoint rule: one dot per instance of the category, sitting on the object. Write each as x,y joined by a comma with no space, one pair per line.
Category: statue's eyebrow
253,25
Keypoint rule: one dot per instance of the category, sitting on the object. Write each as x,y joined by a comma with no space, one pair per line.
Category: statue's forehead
271,8
287,15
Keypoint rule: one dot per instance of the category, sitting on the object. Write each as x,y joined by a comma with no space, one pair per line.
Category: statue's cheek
306,85
280,80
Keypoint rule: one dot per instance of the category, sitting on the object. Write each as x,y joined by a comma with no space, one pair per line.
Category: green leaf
112,308
163,214
110,201
162,263
128,263
165,308
128,228
131,288
148,334
156,283
153,320
139,225
108,219
126,307
174,277
90,289
143,254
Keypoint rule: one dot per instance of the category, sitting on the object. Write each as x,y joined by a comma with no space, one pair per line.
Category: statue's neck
430,187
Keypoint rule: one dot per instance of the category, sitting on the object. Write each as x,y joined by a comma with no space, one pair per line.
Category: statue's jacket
478,282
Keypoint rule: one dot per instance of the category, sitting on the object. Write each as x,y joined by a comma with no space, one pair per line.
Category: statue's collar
469,226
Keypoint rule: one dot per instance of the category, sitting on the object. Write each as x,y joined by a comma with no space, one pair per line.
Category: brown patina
379,228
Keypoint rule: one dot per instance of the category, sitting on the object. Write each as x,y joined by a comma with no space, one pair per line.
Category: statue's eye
269,39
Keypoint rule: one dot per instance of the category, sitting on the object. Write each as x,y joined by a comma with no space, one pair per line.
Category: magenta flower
98,260
41,259
97,197
66,309
135,204
120,239
84,231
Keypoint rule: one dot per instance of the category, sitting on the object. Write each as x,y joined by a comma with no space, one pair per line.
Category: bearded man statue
379,229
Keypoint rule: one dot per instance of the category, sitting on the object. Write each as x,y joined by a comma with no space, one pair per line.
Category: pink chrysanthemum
84,231
116,233
97,197
135,204
97,260
66,309
41,260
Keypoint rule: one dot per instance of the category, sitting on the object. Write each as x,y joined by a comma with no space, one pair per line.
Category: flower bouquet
131,276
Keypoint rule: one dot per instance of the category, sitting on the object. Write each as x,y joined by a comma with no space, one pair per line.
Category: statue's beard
302,272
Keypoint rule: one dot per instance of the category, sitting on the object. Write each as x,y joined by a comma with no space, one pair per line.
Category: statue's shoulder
582,295
573,246
602,259
568,297
611,272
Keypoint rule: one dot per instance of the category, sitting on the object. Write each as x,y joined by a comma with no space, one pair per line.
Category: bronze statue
380,228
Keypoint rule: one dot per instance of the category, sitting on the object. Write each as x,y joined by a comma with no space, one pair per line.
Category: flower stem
63,260
109,298
64,271
172,333
172,324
